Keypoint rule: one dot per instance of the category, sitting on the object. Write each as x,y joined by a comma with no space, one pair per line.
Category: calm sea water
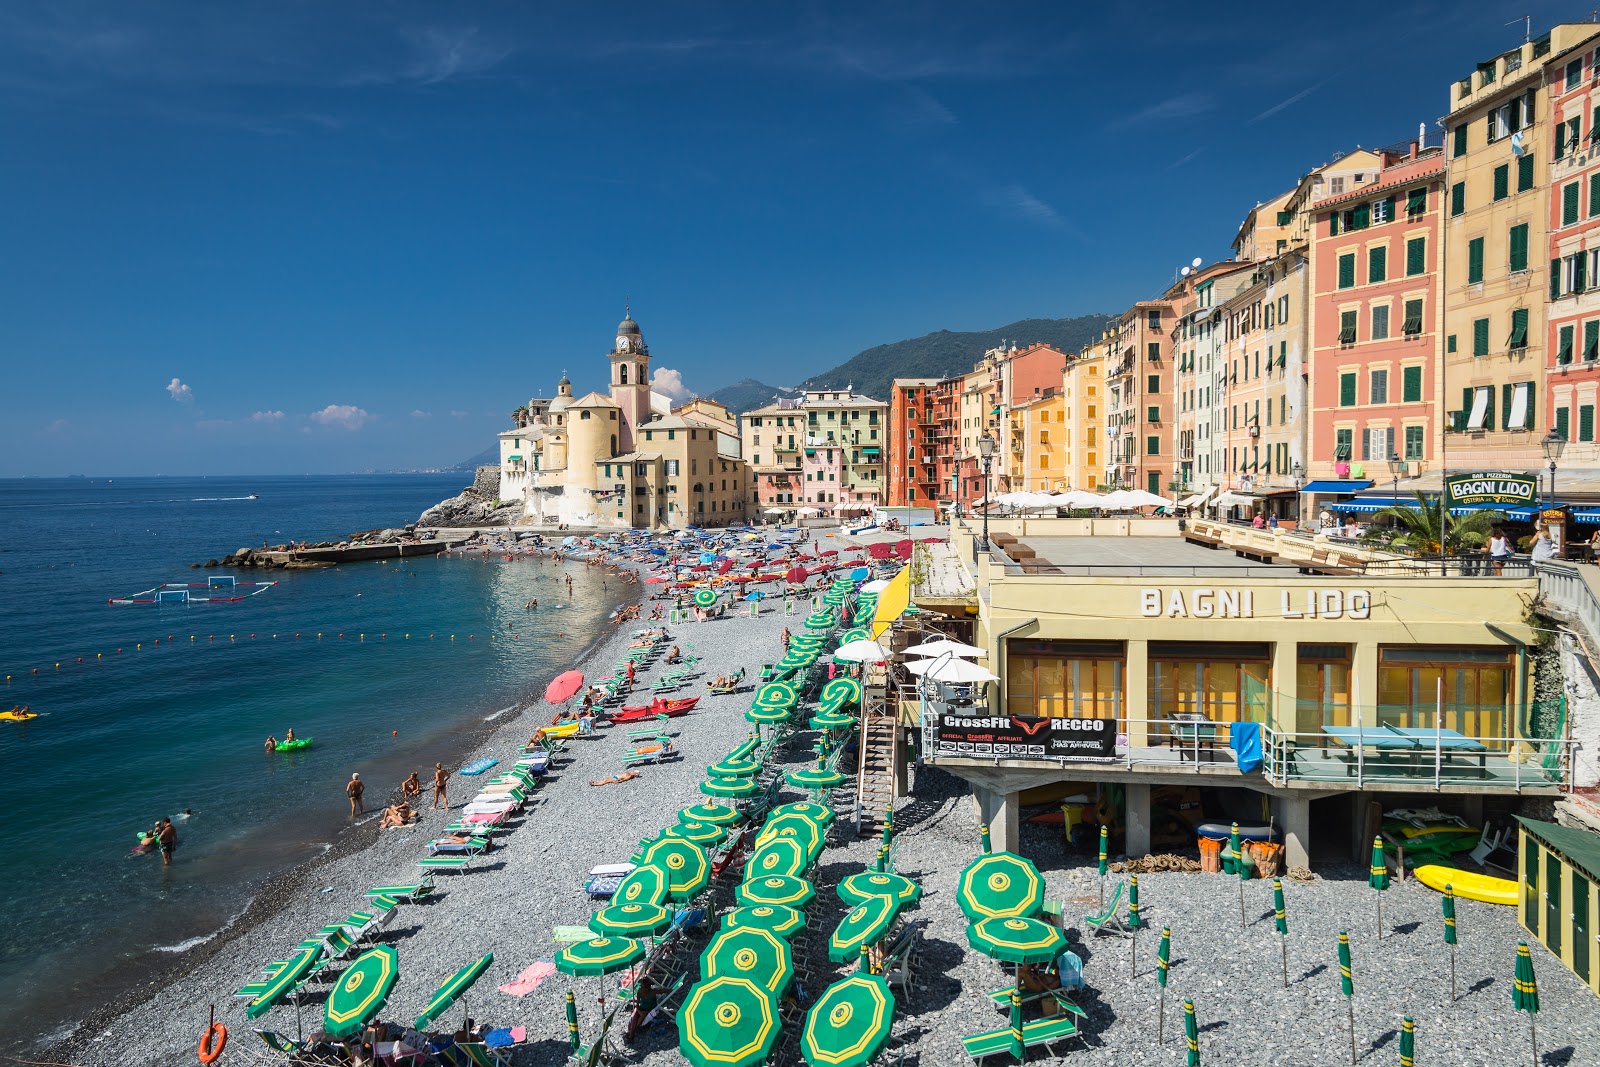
154,709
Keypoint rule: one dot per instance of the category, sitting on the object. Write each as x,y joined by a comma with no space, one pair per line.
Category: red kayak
670,708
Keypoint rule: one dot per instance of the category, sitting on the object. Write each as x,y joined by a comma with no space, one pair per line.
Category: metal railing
1567,594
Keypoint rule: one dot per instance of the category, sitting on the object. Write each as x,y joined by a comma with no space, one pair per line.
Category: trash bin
1210,855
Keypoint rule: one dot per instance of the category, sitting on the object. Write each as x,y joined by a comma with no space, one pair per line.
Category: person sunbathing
617,779
675,656
397,815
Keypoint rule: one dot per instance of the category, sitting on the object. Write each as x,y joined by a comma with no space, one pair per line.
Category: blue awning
1368,504
1345,485
1590,515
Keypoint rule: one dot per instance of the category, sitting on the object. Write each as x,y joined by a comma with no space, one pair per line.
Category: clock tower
630,380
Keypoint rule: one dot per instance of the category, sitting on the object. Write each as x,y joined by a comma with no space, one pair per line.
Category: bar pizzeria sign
1509,490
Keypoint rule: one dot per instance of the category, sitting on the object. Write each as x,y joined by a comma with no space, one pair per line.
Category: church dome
628,326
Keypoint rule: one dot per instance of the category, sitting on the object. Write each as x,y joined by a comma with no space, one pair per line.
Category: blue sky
321,237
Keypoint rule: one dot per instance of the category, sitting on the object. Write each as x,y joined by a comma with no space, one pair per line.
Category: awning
1590,516
1337,485
514,456
870,448
1198,499
1368,504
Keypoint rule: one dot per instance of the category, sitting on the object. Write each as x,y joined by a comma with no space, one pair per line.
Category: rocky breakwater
306,555
472,507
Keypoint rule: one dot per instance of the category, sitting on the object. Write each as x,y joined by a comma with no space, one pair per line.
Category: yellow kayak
1466,884
18,715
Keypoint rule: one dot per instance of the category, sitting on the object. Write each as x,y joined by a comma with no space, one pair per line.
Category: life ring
208,1054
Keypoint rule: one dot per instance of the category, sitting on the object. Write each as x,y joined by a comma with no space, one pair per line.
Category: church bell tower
630,380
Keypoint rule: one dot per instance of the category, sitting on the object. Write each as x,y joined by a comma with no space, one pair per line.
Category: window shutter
1519,329
1502,181
1411,385
1480,337
1416,201
1581,281
1347,327
1347,270
1347,390
1361,217
1505,404
1585,422
1519,247
1488,411
1594,195
1555,278
1377,263
1569,203
1416,255
1333,224
1561,140
1525,174
1591,340
1564,349
1413,320
1466,407
1458,198
1563,415
1475,260
1461,139
1529,421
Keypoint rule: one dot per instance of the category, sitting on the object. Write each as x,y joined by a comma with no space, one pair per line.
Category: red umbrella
880,550
700,567
830,552
657,580
725,566
564,687
903,548
796,574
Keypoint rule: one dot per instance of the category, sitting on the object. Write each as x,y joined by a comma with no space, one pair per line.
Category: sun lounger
279,1044
459,846
568,935
1045,1032
411,892
1109,920
445,863
477,1054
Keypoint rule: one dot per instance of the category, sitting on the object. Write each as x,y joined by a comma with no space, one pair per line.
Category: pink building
1572,344
1373,377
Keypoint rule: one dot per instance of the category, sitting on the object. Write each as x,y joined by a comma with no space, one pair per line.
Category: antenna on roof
1527,27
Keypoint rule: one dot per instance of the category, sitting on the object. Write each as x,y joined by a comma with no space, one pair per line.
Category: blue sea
148,710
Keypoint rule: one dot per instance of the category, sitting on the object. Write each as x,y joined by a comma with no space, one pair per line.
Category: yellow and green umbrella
1013,939
785,922
830,720
705,597
776,695
1104,865
1135,920
630,920
1347,986
455,987
775,889
1408,1041
802,828
733,767
361,991
998,885
778,855
1163,965
1191,1031
749,952
572,1023
728,1021
1378,878
865,924
1280,921
688,869
859,633
859,887
768,716
599,956
818,813
282,982
817,778
698,833
849,1024
1525,994
1448,899
840,691
715,814
642,885
728,787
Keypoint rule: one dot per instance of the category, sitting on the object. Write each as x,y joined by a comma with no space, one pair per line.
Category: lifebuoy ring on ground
208,1052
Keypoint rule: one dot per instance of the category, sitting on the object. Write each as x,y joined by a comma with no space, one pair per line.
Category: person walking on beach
354,790
167,839
440,777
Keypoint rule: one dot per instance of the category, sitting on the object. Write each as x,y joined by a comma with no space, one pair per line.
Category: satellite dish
1196,263
1184,273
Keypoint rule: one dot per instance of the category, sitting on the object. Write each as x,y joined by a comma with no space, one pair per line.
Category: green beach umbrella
999,885
849,1024
282,982
775,889
821,814
776,695
728,1021
983,838
599,956
1105,867
1448,900
1408,1042
698,833
1163,965
1135,921
454,988
734,767
785,922
642,885
858,887
750,952
1191,1031
1015,939
1525,994
688,869
629,920
715,814
768,716
1280,920
572,1023
1378,878
1347,985
832,721
360,991
1236,850
802,828
840,691
728,787
859,633
1018,1049
778,855
705,597
865,924
816,778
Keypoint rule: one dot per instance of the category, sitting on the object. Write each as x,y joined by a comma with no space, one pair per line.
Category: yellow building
1130,658
1037,459
1083,393
1498,147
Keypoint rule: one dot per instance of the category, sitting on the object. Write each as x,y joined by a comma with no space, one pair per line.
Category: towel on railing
1245,740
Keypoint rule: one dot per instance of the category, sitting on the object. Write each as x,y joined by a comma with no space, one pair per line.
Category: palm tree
1422,527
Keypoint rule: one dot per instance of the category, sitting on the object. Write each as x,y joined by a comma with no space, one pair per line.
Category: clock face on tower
624,344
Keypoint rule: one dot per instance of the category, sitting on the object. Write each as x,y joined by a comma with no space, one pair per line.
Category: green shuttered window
1347,270
1525,173
1377,264
1416,256
1586,422
1563,422
1480,337
1502,181
1591,340
1569,203
1411,385
1347,327
1458,198
1564,345
1519,329
1519,247
1347,389
1460,133
1475,260
1413,320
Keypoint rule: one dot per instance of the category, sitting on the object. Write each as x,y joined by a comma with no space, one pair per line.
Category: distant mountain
489,457
945,353
747,394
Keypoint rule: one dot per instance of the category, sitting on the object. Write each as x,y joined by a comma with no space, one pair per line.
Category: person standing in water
440,777
354,791
167,839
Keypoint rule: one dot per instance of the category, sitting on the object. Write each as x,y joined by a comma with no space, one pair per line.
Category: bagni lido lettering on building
1241,603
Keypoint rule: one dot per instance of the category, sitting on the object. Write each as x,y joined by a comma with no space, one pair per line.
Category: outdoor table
1413,743
1191,730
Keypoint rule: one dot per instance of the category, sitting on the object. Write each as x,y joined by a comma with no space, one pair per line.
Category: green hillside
747,394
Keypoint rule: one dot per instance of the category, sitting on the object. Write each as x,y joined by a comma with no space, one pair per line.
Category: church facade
625,458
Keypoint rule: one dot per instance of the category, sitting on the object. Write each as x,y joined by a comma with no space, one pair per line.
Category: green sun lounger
403,892
1001,998
278,1043
1038,1032
1109,920
454,864
570,935
477,1054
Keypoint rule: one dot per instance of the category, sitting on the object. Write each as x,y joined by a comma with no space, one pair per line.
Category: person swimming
272,744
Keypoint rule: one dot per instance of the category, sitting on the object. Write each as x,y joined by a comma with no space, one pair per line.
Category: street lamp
1554,443
986,447
1396,467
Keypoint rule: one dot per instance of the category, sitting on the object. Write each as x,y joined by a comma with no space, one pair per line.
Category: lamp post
986,447
1396,467
1553,444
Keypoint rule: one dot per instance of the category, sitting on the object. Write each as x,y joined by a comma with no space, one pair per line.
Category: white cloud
58,426
669,383
420,414
341,416
271,417
180,392
458,414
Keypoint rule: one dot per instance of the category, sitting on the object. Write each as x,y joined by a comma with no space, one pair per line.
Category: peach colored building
912,475
1572,364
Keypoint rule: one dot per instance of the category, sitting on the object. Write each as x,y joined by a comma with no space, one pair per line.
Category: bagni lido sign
1511,490
1241,604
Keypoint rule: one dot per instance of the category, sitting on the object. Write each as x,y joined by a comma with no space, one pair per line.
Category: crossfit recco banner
1026,737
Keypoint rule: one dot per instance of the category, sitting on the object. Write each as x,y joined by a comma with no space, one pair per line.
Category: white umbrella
776,511
1117,498
950,670
1230,499
807,511
1079,498
862,652
877,585
944,645
1138,498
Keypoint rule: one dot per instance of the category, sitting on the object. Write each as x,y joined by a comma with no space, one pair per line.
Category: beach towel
505,1037
1245,739
529,980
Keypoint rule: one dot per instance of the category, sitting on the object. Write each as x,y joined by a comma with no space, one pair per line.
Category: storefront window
1220,681
1322,685
1082,679
1462,689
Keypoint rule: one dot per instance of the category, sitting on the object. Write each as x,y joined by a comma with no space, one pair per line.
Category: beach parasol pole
1378,878
572,1023
1408,1041
1191,1032
1104,866
1238,868
1348,985
1134,923
1280,919
1163,962
1449,904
